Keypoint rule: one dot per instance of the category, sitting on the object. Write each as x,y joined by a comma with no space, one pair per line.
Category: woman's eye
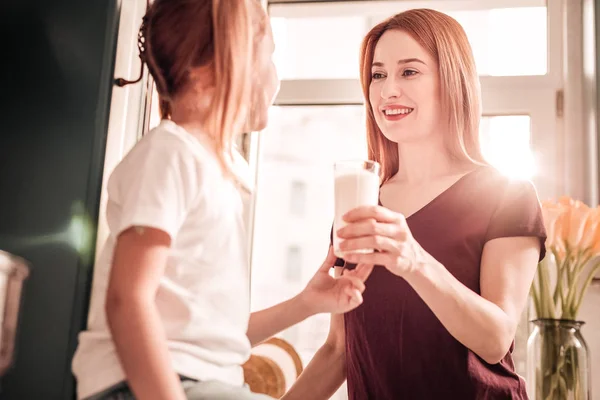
409,72
377,75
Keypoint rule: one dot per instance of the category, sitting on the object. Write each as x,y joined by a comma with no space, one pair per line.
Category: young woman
457,243
169,316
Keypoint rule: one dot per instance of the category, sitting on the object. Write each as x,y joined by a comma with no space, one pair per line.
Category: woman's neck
426,160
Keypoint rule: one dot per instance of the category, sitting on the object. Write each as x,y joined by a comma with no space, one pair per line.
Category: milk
353,188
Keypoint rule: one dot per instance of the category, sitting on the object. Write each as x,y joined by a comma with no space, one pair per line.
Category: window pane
318,48
506,42
294,206
505,141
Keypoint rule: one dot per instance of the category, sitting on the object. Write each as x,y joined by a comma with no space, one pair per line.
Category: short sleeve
518,213
155,186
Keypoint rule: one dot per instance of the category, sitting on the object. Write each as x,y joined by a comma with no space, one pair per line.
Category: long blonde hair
445,40
179,35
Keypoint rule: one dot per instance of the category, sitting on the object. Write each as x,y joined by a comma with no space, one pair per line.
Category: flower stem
586,284
536,300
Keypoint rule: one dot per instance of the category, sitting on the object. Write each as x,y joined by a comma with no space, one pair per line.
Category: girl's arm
266,323
322,294
139,261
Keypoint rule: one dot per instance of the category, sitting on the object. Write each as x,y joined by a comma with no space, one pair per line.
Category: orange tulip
575,226
553,214
594,233
570,225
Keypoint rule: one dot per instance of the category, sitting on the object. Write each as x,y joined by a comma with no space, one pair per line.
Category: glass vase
558,362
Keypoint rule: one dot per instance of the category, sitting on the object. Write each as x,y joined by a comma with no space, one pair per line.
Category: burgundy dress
396,348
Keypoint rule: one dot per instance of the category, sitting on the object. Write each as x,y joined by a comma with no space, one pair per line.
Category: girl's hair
222,35
445,40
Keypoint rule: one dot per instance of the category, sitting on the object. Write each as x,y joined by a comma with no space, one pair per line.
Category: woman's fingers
379,243
376,258
371,227
378,213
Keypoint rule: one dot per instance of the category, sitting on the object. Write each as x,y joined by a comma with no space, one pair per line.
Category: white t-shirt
172,181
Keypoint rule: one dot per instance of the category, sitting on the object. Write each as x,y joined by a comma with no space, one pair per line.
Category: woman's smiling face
405,89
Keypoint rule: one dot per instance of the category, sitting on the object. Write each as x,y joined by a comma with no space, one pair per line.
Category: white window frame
535,96
129,105
579,139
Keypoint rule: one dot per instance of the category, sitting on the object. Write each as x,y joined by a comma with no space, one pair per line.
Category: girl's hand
327,294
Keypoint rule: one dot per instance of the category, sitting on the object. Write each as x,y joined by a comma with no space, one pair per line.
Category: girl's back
172,181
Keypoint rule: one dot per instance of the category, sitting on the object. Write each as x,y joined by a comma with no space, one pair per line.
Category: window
322,41
506,144
318,47
293,265
298,198
520,50
299,145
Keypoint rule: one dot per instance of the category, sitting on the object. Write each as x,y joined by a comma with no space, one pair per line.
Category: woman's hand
326,294
378,228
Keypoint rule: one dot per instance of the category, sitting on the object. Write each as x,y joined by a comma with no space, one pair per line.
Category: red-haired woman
457,243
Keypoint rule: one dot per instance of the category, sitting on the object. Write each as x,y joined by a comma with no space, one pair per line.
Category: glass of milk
356,184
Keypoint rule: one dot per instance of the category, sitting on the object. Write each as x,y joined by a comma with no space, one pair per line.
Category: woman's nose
391,88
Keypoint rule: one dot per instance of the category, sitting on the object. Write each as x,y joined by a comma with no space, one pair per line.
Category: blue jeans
210,390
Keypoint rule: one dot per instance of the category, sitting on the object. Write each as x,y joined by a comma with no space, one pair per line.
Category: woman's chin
401,136
259,123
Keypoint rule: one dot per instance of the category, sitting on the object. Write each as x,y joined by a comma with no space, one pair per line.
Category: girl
457,243
169,316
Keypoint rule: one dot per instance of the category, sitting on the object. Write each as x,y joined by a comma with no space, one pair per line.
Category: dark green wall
56,66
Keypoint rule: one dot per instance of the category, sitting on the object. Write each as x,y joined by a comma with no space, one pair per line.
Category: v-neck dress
396,348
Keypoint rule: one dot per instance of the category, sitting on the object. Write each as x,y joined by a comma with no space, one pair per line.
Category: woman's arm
326,372
485,324
139,261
